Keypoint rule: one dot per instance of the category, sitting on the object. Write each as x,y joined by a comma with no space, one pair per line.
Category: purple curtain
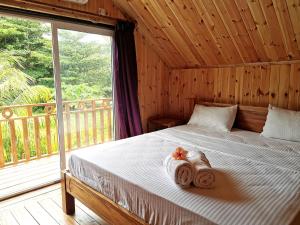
127,113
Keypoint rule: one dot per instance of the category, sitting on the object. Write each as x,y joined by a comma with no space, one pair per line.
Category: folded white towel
181,171
204,174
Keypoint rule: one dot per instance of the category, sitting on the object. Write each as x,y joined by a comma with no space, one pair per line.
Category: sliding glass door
85,72
55,96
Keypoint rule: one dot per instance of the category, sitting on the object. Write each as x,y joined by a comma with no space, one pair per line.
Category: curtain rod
51,17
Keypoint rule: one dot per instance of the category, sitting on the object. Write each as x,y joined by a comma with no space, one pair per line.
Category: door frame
55,26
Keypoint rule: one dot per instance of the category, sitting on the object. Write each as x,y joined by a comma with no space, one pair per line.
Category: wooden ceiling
195,33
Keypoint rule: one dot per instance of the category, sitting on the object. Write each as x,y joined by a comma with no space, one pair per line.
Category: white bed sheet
258,179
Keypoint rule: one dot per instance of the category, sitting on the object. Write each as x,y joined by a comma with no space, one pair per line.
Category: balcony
28,140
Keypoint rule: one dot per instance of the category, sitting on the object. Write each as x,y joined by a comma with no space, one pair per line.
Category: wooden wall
153,77
258,85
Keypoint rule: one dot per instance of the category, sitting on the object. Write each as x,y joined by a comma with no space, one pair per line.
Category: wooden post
68,122
37,136
26,139
78,136
102,125
48,134
13,140
2,160
68,201
86,126
109,124
94,122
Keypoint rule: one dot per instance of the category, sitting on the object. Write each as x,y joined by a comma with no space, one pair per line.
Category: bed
258,179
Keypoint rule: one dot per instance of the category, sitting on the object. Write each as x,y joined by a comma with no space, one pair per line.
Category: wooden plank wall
153,77
257,85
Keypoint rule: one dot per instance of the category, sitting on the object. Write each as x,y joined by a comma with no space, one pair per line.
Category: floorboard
27,176
43,207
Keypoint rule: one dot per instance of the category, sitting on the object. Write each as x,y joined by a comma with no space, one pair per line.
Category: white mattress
258,179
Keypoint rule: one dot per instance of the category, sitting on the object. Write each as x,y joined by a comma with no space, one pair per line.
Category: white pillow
218,118
282,124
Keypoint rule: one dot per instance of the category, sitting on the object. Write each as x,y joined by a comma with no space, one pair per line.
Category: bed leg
68,201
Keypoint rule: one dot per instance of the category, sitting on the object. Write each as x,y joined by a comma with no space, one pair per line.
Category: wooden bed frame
248,118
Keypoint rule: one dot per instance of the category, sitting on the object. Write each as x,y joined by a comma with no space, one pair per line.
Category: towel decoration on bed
179,169
189,167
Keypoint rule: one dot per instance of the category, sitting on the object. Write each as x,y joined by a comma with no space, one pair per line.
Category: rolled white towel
181,171
204,174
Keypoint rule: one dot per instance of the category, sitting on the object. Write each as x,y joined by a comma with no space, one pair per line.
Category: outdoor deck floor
28,176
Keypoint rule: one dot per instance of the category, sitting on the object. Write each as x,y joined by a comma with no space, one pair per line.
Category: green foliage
28,40
16,87
85,61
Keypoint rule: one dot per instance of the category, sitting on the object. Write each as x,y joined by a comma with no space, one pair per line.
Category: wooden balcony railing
29,132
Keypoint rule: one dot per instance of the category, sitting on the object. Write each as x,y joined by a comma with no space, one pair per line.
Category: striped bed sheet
258,179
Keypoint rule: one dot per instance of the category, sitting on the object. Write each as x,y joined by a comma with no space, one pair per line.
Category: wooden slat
284,81
48,134
78,136
39,214
6,218
267,7
274,84
109,128
294,11
168,29
101,126
23,216
286,27
264,86
197,36
257,85
94,122
68,126
29,110
13,140
37,137
182,33
86,127
294,88
2,159
26,139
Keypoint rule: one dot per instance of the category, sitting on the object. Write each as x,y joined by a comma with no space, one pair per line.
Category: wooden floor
44,207
27,176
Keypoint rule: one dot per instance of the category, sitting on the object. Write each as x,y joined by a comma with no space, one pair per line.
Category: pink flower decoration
179,154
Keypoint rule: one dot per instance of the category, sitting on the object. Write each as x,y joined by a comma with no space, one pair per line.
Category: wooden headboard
250,118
